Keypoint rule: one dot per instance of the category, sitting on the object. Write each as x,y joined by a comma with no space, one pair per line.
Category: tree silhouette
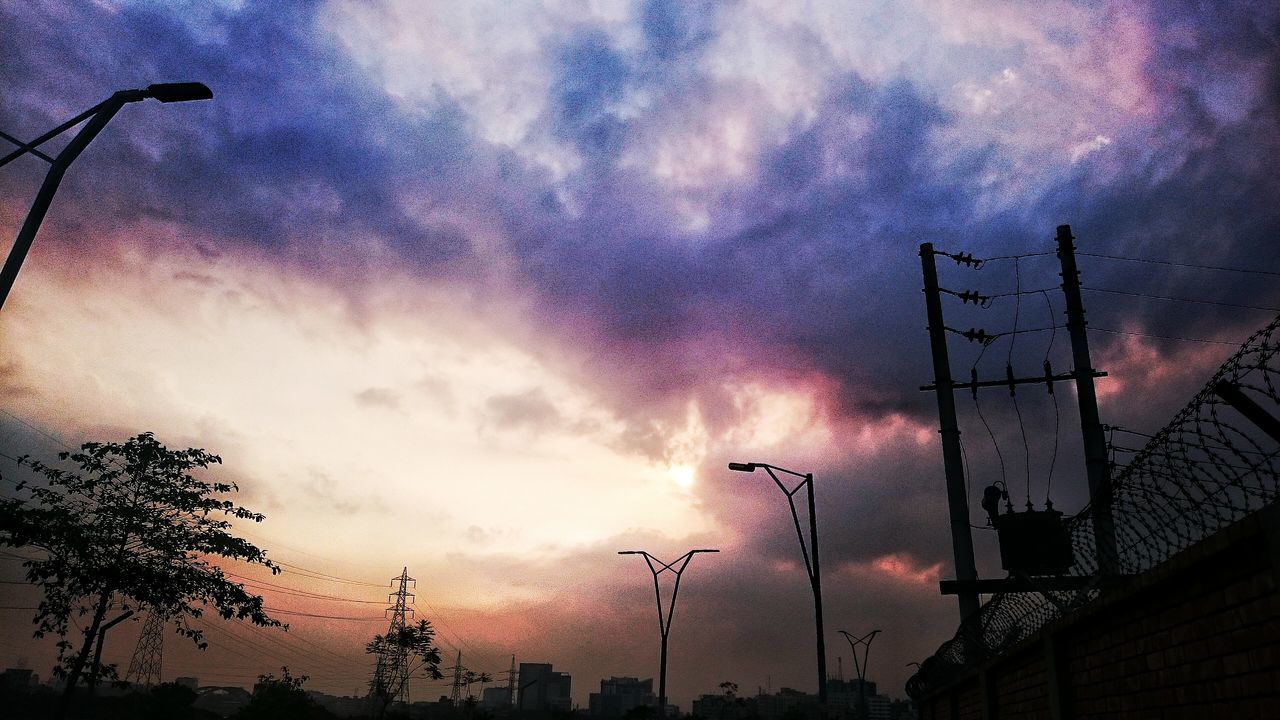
129,528
281,698
415,643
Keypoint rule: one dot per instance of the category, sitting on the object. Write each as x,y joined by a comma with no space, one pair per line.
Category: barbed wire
1206,469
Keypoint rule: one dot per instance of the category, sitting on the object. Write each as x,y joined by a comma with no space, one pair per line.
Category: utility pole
1095,444
952,459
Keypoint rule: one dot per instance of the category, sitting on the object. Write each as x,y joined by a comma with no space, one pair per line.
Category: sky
493,290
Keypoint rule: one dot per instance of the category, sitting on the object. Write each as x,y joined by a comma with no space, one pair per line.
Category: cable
297,591
58,441
1021,292
1020,256
1180,264
980,335
1162,337
978,407
444,627
1017,314
1178,299
327,617
333,578
1057,412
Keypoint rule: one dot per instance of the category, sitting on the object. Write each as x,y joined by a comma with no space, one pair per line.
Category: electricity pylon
391,674
144,667
455,695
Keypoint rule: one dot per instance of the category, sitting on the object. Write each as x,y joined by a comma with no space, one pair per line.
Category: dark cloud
808,271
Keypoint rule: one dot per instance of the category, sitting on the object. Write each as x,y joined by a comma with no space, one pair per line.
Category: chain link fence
1206,469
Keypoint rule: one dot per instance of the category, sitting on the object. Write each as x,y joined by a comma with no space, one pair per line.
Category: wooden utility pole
1095,444
952,459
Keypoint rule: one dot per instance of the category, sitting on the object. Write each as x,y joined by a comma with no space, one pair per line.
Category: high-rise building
495,697
542,688
618,695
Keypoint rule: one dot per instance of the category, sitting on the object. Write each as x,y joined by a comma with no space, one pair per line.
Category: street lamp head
743,467
698,551
630,552
179,92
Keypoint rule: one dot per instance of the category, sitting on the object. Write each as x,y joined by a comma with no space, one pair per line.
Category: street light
664,623
861,668
810,565
98,116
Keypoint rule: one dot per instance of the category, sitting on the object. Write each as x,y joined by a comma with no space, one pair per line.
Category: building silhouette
619,695
542,688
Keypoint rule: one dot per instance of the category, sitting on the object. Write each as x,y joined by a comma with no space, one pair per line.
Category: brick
1235,663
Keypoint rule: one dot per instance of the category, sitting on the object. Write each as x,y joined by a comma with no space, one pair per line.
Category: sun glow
683,475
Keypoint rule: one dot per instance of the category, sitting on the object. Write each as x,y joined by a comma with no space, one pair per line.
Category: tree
129,528
729,701
281,699
414,643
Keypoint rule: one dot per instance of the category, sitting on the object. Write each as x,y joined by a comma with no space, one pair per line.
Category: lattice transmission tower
455,693
144,667
391,674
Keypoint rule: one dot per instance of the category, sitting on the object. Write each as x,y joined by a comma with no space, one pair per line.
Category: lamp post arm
30,147
766,466
102,114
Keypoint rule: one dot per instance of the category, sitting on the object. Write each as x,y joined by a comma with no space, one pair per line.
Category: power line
1161,337
1178,299
1019,256
332,578
328,617
1181,264
297,591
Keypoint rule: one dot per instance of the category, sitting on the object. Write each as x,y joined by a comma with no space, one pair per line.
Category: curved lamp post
657,567
98,116
810,563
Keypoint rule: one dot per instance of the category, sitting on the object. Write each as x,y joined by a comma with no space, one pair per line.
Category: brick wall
1197,637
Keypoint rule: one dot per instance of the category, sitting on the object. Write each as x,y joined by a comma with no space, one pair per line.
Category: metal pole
664,621
861,666
1095,444
952,459
35,216
816,583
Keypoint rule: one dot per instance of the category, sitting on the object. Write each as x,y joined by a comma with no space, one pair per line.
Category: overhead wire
1131,293
1020,256
1162,337
978,408
1057,413
1013,396
1253,271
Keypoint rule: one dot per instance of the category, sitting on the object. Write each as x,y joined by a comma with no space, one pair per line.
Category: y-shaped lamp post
657,567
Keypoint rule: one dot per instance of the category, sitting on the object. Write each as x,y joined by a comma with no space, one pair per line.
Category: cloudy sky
492,290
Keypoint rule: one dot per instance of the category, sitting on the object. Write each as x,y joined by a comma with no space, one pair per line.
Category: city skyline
495,293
